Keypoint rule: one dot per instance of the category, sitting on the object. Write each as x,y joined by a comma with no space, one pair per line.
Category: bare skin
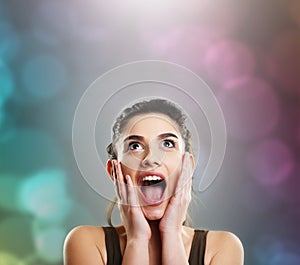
151,144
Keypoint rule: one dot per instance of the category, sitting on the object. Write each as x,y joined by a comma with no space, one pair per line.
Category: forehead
150,124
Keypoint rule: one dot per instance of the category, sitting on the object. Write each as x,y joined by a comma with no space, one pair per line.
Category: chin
153,213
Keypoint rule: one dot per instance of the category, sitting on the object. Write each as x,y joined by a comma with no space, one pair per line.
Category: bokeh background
248,51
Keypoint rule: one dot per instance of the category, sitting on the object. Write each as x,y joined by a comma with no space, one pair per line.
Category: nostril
151,161
145,162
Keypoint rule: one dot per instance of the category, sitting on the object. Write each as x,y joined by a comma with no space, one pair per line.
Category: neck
155,244
154,226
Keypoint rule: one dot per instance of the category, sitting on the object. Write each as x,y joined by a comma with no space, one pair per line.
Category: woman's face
150,150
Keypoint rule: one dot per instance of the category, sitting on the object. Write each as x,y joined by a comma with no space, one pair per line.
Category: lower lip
152,203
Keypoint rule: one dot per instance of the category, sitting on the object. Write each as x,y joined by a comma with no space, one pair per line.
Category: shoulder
85,245
90,233
223,248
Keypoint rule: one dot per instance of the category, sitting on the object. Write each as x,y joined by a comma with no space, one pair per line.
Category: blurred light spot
25,151
43,76
9,186
283,62
287,258
6,83
271,162
10,42
16,235
274,251
44,195
251,109
9,259
229,62
185,45
49,244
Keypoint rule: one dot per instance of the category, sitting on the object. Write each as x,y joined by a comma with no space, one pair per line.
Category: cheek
174,163
127,171
131,162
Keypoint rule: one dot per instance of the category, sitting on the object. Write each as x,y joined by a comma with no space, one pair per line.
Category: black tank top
114,256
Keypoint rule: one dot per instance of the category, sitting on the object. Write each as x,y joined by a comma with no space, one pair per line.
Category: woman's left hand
176,211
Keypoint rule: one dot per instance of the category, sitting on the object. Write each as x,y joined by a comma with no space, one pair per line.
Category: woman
151,164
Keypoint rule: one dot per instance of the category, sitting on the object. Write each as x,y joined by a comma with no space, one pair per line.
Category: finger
121,183
132,198
116,183
187,190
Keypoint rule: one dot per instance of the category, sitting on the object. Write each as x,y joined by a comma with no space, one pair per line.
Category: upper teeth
149,178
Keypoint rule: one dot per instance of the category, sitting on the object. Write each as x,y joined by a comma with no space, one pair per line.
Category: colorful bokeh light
43,76
275,251
9,197
229,62
271,162
10,259
44,195
251,109
248,53
14,225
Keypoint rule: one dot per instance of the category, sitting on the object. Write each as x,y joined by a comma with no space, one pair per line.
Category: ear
109,169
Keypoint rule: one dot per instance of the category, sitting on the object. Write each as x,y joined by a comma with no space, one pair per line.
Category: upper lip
151,173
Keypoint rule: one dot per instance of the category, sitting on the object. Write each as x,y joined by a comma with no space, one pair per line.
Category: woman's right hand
134,221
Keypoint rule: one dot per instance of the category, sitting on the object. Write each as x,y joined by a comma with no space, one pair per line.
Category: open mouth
152,188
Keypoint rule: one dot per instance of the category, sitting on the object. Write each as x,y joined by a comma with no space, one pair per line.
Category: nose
151,159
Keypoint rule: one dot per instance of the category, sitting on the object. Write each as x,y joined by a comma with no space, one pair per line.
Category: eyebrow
140,138
166,135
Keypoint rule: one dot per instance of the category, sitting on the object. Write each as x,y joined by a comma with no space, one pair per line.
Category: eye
135,146
168,143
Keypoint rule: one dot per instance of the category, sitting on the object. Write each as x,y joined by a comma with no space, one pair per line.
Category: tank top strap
114,256
198,248
113,250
